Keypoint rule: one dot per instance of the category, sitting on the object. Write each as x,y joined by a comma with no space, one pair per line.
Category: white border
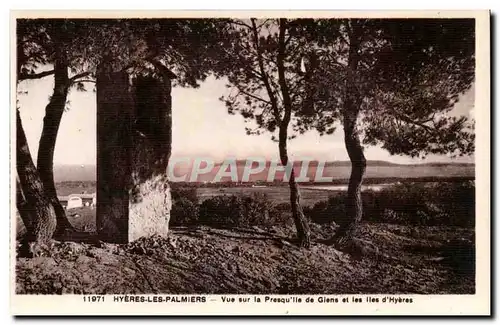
424,304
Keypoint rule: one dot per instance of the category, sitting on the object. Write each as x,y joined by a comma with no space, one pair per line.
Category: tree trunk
352,105
45,160
303,231
354,204
23,209
37,208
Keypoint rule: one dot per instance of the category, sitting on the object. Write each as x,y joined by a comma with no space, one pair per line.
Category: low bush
443,203
327,212
430,204
221,211
458,201
188,193
285,207
239,211
184,212
185,207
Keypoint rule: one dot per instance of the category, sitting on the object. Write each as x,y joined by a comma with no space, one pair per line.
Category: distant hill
333,163
376,163
335,169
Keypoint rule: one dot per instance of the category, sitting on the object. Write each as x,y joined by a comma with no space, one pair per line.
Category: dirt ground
417,260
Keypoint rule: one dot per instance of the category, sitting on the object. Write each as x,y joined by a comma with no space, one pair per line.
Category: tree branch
40,75
248,68
80,75
281,74
163,69
254,97
263,23
264,78
240,23
409,120
86,80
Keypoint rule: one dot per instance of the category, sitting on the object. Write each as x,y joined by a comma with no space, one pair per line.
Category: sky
201,127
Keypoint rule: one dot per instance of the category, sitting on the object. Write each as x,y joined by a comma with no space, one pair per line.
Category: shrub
407,203
258,210
184,212
284,207
326,212
404,198
239,211
444,203
221,210
185,208
390,216
334,209
458,201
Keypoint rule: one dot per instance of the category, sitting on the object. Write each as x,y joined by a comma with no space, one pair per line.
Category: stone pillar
150,200
133,148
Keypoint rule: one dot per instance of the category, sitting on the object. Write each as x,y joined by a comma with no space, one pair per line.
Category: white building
74,202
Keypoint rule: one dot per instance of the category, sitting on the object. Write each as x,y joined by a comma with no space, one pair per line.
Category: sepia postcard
250,163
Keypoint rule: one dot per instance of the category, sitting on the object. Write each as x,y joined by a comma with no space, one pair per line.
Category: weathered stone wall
150,202
133,148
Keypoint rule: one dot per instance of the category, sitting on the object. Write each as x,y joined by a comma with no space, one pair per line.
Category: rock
172,242
82,259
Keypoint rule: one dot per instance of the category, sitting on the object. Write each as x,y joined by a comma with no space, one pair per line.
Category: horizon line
316,160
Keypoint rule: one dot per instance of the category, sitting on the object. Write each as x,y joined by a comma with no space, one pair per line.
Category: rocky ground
418,260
